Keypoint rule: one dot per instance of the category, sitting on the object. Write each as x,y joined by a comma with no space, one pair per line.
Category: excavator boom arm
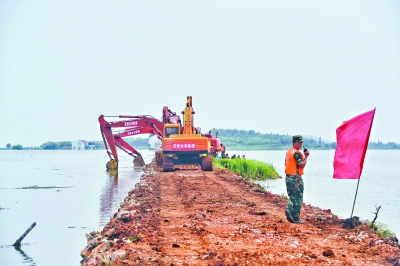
108,138
188,113
136,125
138,121
123,145
137,131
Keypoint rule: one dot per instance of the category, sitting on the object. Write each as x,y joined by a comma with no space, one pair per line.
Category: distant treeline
233,139
137,143
383,146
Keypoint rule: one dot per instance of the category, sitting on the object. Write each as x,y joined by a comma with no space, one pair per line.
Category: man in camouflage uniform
295,162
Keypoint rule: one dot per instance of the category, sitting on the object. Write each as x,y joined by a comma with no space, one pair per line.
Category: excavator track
206,163
168,164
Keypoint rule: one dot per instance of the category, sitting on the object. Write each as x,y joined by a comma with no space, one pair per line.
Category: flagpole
351,217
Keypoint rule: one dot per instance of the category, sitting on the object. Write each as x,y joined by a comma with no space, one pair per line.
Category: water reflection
108,197
26,258
118,184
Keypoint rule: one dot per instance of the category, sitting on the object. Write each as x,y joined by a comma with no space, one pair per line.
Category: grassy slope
251,169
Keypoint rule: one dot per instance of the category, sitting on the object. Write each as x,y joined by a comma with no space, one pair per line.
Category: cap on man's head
297,138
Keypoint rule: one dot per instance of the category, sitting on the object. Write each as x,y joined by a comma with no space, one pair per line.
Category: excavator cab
171,129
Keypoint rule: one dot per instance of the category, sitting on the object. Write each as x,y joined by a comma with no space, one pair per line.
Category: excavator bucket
138,161
112,165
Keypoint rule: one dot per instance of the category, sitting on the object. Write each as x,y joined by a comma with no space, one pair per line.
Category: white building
79,144
154,142
91,145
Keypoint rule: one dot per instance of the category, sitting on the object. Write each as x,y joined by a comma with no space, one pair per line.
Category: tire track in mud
192,217
231,235
229,228
186,230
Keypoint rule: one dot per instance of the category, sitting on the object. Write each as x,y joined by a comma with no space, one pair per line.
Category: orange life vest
291,164
223,148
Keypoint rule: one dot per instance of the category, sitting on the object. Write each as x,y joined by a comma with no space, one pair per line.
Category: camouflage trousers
295,188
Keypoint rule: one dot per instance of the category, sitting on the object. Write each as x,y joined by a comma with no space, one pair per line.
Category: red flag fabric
352,140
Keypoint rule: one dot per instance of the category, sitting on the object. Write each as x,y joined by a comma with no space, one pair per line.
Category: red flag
352,140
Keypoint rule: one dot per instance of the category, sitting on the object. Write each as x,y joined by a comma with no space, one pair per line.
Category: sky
287,67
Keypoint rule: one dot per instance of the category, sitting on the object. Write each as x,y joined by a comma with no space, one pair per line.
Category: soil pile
191,217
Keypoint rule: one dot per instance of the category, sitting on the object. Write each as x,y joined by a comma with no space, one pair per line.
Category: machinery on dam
182,144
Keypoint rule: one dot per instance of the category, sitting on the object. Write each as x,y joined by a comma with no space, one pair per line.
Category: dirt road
191,217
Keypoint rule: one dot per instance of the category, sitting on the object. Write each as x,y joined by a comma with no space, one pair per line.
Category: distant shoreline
235,148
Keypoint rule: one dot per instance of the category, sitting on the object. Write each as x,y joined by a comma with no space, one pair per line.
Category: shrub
380,229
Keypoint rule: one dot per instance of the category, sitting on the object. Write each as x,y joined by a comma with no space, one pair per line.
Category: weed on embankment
252,169
380,229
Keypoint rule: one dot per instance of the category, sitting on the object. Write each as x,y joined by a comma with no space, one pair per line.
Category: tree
333,145
8,145
99,145
286,140
17,147
65,144
140,143
51,145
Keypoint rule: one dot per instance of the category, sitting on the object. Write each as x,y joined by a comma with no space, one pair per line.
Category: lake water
90,196
63,215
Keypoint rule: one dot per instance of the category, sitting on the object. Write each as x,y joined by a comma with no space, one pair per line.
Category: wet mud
191,217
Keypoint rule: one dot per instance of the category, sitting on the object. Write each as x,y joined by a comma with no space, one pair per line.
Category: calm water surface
65,215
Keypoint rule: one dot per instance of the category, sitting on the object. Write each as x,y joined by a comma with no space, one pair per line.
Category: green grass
283,197
380,229
136,237
252,169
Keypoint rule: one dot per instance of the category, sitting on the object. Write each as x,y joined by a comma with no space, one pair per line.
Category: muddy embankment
191,217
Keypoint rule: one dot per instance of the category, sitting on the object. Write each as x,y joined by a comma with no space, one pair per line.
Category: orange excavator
183,146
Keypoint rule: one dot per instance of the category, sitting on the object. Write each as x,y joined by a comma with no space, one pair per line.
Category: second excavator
183,145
